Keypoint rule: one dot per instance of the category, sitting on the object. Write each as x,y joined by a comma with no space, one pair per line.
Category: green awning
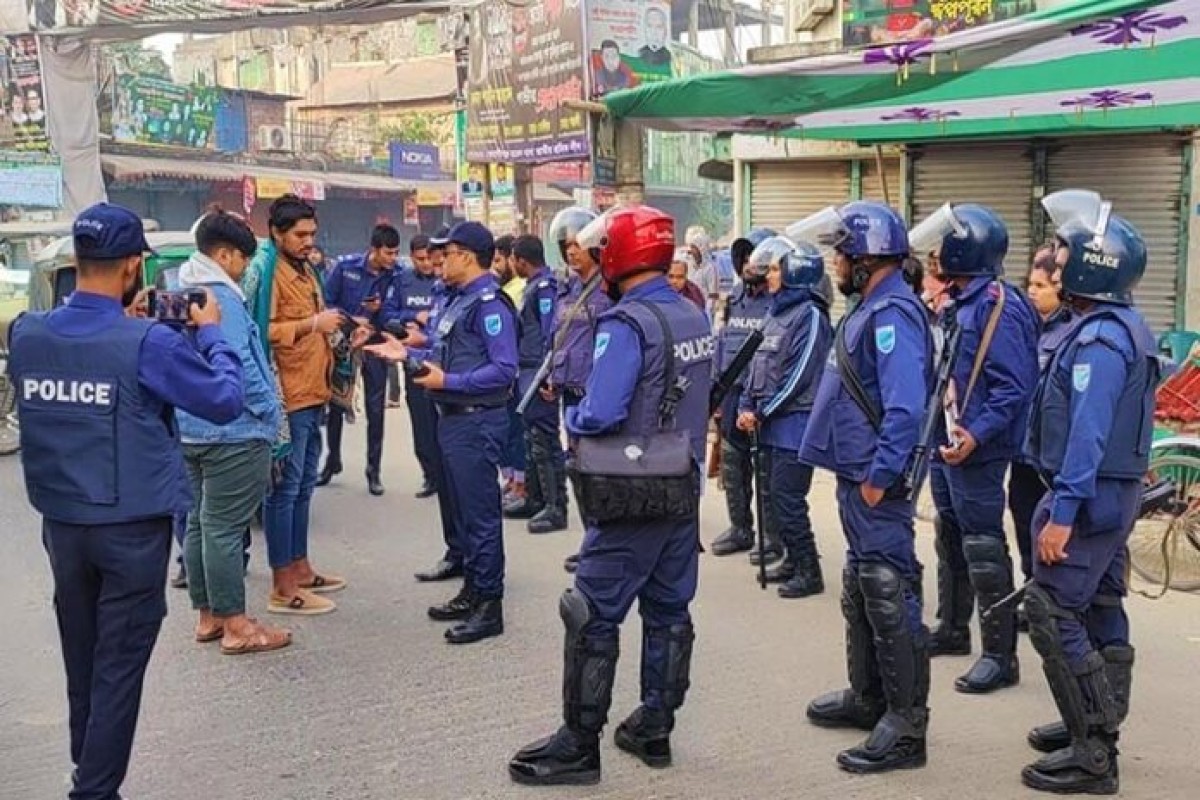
1093,65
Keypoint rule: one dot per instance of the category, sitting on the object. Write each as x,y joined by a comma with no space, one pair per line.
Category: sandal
262,640
210,635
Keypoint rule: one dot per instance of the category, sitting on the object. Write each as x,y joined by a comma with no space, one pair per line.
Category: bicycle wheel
1162,546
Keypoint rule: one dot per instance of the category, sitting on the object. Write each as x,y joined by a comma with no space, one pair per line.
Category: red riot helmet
631,239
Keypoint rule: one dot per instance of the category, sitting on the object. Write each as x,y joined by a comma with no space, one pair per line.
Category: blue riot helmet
565,226
1105,254
743,246
966,239
770,251
803,268
860,230
823,291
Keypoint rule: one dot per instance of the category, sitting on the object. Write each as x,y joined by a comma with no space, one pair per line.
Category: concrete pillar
1191,312
631,187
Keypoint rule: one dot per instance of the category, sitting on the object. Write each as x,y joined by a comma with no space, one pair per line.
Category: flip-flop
259,642
211,636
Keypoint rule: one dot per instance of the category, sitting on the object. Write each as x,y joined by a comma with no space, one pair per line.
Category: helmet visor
1079,207
824,229
771,251
927,236
594,235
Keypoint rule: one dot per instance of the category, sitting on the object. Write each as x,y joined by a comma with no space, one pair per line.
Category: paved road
371,704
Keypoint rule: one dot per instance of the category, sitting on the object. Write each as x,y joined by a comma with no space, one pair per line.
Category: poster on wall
31,180
628,43
525,62
154,111
22,99
872,22
500,178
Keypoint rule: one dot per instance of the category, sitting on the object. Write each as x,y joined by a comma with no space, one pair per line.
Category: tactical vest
97,450
746,315
1127,451
460,349
766,374
419,291
573,361
536,302
693,361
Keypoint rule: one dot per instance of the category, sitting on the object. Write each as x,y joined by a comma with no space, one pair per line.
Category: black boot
330,469
486,620
898,740
862,705
374,486
456,608
666,671
951,635
552,480
733,540
806,579
1118,663
1087,704
571,756
992,578
782,572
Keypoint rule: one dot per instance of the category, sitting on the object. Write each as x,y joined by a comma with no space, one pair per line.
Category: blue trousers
423,416
513,456
471,447
286,510
110,600
655,563
790,482
883,534
1090,584
970,502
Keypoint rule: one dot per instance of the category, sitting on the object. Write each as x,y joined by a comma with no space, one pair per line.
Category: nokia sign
415,162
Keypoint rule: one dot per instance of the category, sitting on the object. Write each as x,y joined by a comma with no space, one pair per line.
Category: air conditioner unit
274,138
807,14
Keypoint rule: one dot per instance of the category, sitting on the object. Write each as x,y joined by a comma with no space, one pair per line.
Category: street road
371,704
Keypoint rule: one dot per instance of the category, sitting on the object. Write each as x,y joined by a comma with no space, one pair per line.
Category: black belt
573,392
453,410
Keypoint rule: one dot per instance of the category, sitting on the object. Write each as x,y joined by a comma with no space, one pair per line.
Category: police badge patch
885,339
1081,377
602,340
493,324
544,305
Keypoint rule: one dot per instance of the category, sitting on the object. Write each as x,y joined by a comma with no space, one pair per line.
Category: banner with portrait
22,97
155,111
628,43
873,22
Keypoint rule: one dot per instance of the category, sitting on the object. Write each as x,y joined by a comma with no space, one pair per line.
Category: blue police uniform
348,285
973,557
546,476
780,390
1025,487
745,314
476,346
889,346
104,467
572,365
410,294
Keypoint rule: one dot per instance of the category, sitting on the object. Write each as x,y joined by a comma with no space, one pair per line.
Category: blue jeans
285,512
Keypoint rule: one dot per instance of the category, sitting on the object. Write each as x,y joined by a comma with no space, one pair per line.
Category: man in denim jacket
229,466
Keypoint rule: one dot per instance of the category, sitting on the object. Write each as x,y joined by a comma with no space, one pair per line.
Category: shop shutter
871,187
996,175
1142,176
782,192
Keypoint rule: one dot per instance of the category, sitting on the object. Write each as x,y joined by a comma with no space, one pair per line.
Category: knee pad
1043,614
989,564
575,610
883,590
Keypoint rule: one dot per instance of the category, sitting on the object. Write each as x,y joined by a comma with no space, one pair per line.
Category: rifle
760,505
918,469
543,372
728,378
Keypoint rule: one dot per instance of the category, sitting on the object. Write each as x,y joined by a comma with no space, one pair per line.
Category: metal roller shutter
782,192
997,175
1143,178
871,188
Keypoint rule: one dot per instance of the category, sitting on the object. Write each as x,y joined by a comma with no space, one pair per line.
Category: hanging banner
49,15
868,22
30,179
525,61
22,99
155,111
627,43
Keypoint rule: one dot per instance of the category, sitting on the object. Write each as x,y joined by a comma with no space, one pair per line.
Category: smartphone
174,307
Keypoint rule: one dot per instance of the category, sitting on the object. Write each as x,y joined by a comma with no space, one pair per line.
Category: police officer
651,560
408,306
1090,438
358,285
546,472
864,426
994,375
580,304
780,388
96,391
744,314
469,373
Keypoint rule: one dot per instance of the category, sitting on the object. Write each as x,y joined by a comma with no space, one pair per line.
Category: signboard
525,61
270,188
22,100
415,162
604,152
627,43
49,15
155,111
29,179
471,186
434,197
868,22
500,177
412,211
502,217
